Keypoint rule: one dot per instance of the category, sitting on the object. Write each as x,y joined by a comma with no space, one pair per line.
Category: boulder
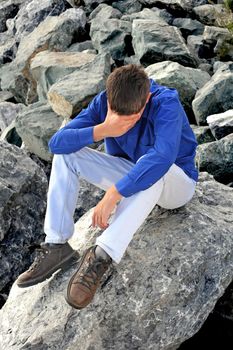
8,112
211,14
47,67
178,7
177,266
35,125
127,6
216,96
203,134
104,11
5,96
8,9
156,41
70,94
222,42
217,158
54,33
221,124
10,135
23,187
149,14
110,34
188,26
185,79
32,13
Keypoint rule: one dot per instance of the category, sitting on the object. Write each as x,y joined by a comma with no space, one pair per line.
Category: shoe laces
40,254
94,271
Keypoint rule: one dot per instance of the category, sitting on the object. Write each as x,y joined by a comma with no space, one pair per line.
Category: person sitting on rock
149,159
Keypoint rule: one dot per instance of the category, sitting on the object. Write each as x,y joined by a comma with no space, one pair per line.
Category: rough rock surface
36,125
156,41
186,80
221,124
8,112
175,269
217,158
215,96
47,67
70,94
23,187
203,134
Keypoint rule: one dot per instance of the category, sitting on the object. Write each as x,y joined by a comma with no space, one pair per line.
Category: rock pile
55,56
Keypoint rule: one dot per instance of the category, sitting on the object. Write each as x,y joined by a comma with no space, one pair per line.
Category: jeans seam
64,206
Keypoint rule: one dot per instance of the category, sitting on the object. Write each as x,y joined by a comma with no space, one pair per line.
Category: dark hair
127,89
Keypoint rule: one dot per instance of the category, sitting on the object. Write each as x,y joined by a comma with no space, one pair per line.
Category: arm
158,159
79,132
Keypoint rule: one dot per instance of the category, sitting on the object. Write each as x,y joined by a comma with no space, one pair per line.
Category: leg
96,167
173,190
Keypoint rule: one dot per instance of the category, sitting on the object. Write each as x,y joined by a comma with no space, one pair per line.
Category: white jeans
173,190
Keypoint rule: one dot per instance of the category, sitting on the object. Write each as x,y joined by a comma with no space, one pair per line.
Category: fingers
99,220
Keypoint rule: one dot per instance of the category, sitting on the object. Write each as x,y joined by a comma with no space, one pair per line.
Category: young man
150,159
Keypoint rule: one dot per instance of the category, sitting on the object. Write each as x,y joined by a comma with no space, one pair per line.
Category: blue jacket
161,137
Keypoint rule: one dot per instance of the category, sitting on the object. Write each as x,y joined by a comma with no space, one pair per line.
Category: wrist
99,132
113,194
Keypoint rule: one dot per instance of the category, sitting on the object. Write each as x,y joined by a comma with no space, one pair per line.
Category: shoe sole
70,282
63,265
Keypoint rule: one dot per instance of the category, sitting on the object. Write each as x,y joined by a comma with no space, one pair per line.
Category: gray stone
185,79
47,67
78,47
8,50
177,6
70,94
8,9
217,158
54,33
149,14
8,112
221,124
127,6
177,266
104,11
216,96
188,26
5,96
156,41
33,13
221,39
10,135
211,14
35,125
203,134
23,187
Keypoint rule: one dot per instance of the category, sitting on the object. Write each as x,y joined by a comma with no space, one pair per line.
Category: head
128,90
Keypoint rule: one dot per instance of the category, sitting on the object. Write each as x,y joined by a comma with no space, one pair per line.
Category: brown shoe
83,284
49,258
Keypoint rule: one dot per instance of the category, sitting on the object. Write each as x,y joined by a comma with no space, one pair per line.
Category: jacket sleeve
158,159
78,132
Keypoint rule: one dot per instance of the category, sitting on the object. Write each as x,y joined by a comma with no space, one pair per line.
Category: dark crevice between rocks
216,332
175,12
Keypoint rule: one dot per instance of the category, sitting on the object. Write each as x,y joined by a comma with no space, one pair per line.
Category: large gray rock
217,158
47,67
150,14
221,124
211,14
216,96
203,134
188,26
177,6
156,41
185,79
110,34
104,11
175,269
8,112
127,6
23,187
54,33
221,40
35,125
33,13
8,9
70,94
